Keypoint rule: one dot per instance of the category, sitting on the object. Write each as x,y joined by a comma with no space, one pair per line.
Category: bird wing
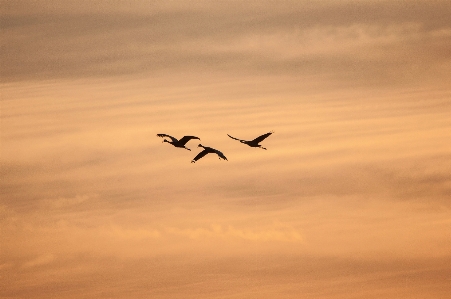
200,155
261,138
221,155
185,139
165,135
235,138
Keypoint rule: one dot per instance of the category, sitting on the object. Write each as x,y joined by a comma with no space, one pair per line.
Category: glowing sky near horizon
351,199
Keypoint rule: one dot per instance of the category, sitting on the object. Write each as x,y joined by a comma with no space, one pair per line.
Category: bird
178,143
255,142
208,150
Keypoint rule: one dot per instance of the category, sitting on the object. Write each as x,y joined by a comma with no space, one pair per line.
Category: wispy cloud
39,261
277,233
372,43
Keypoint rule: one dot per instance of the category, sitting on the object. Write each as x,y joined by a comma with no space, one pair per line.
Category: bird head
200,145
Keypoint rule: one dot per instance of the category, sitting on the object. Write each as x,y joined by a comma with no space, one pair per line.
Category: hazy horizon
351,199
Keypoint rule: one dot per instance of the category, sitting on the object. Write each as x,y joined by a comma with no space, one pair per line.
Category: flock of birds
181,143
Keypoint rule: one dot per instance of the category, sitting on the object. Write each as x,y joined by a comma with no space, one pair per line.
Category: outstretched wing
261,138
200,155
165,135
185,139
235,138
221,155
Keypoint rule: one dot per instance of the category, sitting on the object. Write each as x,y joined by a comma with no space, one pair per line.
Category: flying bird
208,150
178,143
255,142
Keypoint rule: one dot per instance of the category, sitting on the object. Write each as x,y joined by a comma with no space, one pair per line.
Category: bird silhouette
255,142
178,143
208,150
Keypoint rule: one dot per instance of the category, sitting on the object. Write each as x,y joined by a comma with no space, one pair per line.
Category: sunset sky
352,199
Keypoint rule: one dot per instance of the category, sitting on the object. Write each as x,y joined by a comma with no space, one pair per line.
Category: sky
351,199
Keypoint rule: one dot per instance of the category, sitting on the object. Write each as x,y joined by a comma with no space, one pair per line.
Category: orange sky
351,199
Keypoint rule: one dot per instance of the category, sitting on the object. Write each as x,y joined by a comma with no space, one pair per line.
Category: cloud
64,202
369,43
282,233
39,261
418,180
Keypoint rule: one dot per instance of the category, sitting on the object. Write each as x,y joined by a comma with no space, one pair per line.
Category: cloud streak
353,40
